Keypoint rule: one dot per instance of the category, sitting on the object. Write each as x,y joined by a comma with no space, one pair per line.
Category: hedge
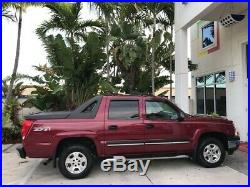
11,135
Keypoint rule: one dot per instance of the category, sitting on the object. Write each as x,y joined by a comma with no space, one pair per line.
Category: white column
181,70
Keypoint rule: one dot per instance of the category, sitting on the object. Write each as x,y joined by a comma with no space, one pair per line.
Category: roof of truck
133,96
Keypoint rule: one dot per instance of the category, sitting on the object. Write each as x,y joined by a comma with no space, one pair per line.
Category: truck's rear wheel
211,153
75,161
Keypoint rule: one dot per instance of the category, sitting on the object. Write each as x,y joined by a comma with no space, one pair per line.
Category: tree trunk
153,58
171,69
107,48
13,77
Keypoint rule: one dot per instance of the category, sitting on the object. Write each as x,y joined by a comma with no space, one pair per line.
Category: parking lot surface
168,171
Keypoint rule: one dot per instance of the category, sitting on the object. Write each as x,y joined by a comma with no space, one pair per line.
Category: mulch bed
12,141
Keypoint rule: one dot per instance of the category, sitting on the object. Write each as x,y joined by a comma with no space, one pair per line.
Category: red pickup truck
106,126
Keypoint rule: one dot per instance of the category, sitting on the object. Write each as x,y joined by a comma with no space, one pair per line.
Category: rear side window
124,109
90,108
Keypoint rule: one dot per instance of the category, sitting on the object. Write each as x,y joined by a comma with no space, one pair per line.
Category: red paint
26,127
43,144
243,147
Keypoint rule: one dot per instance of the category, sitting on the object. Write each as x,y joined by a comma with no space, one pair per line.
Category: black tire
201,148
78,150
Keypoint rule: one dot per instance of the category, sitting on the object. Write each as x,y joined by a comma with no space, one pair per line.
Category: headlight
236,133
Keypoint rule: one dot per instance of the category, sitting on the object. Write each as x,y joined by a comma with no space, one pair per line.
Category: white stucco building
220,84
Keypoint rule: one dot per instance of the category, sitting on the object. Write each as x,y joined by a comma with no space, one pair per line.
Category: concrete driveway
168,171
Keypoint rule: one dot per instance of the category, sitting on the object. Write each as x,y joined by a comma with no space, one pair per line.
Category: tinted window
220,78
160,110
124,110
209,79
90,108
200,100
200,81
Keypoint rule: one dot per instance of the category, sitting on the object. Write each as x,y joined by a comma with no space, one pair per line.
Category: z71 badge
40,129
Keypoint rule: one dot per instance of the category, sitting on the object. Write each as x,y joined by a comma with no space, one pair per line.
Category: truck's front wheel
211,152
75,161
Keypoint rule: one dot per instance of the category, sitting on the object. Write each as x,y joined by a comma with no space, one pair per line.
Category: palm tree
75,52
154,11
19,9
8,14
66,18
131,51
107,10
169,11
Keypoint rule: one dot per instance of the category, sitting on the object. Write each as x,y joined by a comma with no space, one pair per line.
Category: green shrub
11,135
215,115
5,119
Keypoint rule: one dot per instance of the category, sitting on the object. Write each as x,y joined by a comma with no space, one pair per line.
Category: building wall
194,10
230,57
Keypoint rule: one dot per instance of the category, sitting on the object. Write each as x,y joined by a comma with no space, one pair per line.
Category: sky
32,52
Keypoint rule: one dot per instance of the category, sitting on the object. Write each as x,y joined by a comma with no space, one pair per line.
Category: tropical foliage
7,12
10,110
128,49
48,93
74,55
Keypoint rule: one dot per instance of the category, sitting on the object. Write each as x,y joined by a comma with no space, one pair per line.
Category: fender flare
64,135
198,133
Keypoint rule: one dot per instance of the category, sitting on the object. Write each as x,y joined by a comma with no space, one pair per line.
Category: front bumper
21,152
233,144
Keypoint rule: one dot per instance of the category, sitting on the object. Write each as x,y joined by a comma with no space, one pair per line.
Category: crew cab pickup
128,126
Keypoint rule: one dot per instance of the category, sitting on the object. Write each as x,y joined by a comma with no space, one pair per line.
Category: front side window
124,109
160,110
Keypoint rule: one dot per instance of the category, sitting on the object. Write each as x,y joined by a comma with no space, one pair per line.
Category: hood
48,115
204,117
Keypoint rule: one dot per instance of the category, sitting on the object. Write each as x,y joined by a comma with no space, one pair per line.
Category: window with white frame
211,94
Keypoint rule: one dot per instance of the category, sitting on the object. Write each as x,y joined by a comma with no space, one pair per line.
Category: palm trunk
171,69
107,49
73,100
13,77
153,58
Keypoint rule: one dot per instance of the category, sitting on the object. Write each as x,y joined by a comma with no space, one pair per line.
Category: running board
151,158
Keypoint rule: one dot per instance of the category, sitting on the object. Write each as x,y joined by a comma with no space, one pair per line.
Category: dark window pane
90,108
220,94
124,110
209,79
200,81
200,100
220,78
160,110
209,99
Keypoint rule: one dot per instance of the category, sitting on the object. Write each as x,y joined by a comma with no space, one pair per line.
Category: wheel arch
218,135
67,141
205,134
